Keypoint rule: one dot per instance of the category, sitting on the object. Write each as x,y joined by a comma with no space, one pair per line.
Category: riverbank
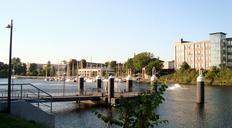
9,121
190,78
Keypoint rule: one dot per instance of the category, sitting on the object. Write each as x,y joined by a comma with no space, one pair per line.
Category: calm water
179,107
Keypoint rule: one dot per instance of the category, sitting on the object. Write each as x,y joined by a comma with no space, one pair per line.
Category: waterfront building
93,72
204,54
94,65
91,69
38,66
169,64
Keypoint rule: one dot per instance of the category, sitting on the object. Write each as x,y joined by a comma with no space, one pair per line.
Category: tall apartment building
205,54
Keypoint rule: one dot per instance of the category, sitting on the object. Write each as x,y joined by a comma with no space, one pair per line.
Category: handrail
32,86
36,93
39,89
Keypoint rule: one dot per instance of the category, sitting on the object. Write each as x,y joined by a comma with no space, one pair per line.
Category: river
179,107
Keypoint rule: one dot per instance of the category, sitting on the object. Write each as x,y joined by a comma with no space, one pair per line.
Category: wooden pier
30,93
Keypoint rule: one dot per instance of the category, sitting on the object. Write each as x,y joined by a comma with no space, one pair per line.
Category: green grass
9,121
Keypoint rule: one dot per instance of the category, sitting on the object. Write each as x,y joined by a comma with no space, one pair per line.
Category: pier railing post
51,105
129,83
21,91
38,98
99,83
81,85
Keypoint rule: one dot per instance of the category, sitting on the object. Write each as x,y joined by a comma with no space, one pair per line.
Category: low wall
29,112
3,106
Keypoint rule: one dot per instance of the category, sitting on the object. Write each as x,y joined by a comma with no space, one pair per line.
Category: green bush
9,121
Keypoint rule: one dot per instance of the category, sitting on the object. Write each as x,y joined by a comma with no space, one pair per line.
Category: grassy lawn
9,121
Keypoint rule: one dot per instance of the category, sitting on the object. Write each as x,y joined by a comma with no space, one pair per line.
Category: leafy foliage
9,121
213,76
184,75
141,60
83,63
129,65
153,63
53,71
184,66
113,64
33,70
107,64
3,70
140,112
19,68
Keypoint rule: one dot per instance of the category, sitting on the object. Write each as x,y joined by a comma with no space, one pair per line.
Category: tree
107,64
33,70
47,70
83,63
154,63
18,67
24,67
141,60
140,112
41,72
129,65
113,64
65,63
53,71
3,70
184,66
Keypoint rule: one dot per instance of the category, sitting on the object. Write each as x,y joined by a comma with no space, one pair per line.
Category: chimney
181,40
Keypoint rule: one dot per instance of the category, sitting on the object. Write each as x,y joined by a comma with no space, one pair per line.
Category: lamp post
64,84
10,26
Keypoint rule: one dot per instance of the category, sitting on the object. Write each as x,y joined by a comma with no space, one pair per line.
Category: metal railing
27,92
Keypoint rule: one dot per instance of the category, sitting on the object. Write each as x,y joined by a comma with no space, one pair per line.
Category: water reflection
200,116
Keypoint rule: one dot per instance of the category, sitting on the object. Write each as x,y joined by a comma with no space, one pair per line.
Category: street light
10,26
64,84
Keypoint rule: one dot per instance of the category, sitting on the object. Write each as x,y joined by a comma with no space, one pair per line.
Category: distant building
74,68
169,64
94,65
39,66
93,72
205,54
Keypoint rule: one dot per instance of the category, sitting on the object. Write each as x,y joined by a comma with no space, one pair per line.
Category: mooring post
81,85
129,83
99,83
200,88
110,88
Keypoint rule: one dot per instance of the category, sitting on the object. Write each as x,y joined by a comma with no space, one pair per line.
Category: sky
106,30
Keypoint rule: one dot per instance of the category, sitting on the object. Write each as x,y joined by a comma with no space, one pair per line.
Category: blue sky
106,29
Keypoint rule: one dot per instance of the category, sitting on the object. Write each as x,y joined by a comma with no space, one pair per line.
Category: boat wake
174,87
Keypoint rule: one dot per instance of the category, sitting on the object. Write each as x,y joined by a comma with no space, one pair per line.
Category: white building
169,64
93,72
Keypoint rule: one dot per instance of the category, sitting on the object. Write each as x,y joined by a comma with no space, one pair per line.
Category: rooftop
217,33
